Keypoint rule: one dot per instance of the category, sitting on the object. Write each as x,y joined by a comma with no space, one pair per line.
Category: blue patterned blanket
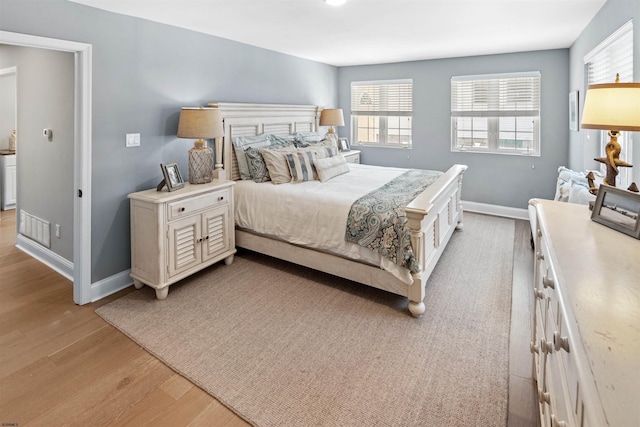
378,220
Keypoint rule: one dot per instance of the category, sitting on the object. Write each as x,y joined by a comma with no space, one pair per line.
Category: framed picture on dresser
618,209
172,177
343,144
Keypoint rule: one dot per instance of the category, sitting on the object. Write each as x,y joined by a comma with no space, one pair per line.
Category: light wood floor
61,364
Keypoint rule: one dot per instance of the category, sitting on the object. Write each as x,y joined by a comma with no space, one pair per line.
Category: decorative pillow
257,167
303,139
240,144
321,150
579,193
331,167
301,166
566,175
255,161
277,164
282,140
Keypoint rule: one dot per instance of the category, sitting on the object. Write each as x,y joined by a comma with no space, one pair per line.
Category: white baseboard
110,285
496,210
45,256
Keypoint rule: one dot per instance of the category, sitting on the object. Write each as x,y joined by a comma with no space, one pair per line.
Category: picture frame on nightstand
343,144
172,177
618,209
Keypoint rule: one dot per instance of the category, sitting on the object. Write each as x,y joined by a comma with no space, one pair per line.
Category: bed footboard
433,216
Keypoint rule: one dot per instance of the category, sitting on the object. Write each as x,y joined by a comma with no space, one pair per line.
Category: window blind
511,95
613,56
382,98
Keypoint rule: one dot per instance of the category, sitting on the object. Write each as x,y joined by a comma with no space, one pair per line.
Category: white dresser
8,174
586,335
174,234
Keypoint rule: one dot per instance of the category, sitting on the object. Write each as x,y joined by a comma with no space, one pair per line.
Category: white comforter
314,213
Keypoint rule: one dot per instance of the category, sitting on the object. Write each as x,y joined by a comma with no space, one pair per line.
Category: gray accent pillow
240,144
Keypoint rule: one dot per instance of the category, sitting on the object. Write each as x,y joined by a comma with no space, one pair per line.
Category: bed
432,216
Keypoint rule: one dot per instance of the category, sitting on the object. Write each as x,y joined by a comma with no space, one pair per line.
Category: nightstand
352,156
175,234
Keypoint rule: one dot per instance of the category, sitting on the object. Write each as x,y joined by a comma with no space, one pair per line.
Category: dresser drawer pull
538,293
539,233
560,342
220,198
543,397
547,282
533,347
181,209
556,423
539,255
546,346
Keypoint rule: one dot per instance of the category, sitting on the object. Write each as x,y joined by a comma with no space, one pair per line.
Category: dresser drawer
181,208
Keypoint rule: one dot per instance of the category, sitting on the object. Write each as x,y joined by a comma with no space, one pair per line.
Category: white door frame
82,153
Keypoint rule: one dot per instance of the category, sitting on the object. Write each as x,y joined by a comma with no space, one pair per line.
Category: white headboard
256,119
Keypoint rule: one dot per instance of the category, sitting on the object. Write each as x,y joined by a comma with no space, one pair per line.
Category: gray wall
143,72
45,168
491,178
584,144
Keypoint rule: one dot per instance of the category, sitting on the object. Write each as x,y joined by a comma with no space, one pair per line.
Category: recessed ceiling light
336,2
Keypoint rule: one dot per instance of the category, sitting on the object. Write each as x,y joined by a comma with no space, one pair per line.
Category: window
497,113
613,56
381,113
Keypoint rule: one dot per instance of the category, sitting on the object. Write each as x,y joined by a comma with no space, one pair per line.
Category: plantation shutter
500,95
382,98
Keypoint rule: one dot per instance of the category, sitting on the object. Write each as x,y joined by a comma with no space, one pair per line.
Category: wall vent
35,228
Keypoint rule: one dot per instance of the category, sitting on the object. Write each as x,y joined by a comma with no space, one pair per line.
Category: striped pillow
331,167
301,166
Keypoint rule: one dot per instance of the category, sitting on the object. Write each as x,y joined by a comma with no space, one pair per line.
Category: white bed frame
433,215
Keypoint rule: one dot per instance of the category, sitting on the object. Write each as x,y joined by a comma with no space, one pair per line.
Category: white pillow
579,193
331,167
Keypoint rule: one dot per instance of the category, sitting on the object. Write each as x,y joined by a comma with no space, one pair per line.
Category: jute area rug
282,345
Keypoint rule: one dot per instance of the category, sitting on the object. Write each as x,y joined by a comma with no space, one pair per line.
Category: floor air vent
35,228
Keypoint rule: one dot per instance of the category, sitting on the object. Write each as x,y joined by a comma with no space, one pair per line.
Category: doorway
81,150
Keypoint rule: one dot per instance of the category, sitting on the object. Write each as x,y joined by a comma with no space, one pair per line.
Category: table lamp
201,123
614,107
332,117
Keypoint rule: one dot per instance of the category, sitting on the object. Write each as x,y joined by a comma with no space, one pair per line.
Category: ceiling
375,31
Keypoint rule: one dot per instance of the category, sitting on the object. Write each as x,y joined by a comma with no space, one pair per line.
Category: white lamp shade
331,117
612,106
199,123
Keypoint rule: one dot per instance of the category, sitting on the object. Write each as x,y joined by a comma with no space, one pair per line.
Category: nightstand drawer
185,207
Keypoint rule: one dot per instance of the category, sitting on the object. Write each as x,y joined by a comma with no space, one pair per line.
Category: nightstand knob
546,346
221,198
539,255
181,209
539,233
538,293
206,238
547,282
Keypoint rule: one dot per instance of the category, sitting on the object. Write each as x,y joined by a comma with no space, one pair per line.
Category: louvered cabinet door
174,234
215,232
185,244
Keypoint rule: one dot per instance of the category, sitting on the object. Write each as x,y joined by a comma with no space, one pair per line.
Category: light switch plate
133,140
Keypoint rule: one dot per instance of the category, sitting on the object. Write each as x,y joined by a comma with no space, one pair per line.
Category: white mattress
314,214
